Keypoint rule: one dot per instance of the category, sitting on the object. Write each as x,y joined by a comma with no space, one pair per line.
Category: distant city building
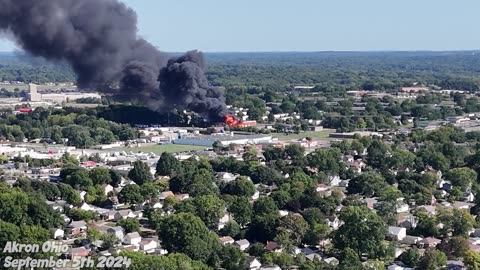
34,95
414,89
58,97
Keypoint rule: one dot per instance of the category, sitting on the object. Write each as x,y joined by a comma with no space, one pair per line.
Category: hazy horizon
306,26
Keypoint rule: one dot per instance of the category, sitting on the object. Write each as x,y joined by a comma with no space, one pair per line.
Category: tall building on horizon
34,95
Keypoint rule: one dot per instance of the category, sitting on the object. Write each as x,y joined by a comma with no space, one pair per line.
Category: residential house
371,202
334,180
110,215
157,205
79,252
256,195
123,214
182,197
58,233
242,244
224,220
273,247
77,227
82,195
396,233
331,260
428,209
132,238
463,205
410,240
407,221
358,165
429,242
86,207
307,251
271,267
468,196
348,159
117,231
58,205
314,257
398,267
402,207
165,195
253,263
430,169
226,240
107,188
148,245
476,233
344,183
226,177
323,190
455,265
333,222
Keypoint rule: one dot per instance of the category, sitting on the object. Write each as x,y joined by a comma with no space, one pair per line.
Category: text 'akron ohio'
47,247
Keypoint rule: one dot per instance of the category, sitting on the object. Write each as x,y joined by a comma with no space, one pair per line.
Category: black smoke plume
99,39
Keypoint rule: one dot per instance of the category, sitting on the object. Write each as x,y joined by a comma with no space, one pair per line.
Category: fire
232,122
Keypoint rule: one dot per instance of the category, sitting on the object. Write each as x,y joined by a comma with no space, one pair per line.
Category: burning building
233,122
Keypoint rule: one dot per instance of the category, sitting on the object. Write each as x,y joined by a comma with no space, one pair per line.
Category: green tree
185,233
472,260
350,260
109,240
131,194
208,208
129,224
265,219
176,261
231,229
79,214
376,154
266,175
432,259
461,177
273,153
100,176
455,247
294,226
363,231
140,173
410,257
295,151
368,184
241,209
456,221
241,186
325,160
167,164
232,258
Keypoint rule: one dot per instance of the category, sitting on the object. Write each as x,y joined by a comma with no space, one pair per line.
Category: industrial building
58,97
224,139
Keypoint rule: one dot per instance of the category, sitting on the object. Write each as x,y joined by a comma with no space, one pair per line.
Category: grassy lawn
158,149
315,135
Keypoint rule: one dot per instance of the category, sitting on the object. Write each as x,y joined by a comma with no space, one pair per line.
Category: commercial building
58,97
224,139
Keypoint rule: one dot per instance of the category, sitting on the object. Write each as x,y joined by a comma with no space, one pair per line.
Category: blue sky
307,25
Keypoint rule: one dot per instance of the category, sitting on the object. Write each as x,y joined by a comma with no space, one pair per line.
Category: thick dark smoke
99,39
186,83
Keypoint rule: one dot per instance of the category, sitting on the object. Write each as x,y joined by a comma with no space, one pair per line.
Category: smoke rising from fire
99,39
